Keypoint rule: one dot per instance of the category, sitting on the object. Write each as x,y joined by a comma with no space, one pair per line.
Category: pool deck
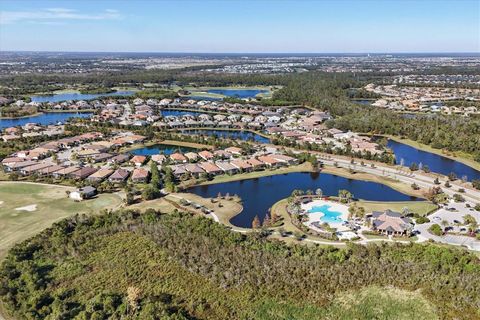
317,216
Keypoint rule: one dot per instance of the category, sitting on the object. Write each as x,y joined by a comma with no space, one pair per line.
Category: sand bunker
30,208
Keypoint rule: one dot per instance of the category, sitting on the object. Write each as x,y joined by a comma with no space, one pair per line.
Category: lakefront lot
27,208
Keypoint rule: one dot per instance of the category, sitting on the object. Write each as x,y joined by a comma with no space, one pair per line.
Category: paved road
404,176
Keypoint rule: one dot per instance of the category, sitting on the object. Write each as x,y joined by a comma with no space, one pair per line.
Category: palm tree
345,195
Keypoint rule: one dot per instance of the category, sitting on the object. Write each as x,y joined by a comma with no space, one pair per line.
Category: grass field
423,208
304,167
51,204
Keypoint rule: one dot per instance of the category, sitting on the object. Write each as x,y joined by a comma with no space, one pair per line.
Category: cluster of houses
297,123
30,130
425,99
55,159
223,161
301,124
93,158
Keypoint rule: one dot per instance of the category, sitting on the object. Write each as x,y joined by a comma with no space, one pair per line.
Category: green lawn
51,203
304,167
421,207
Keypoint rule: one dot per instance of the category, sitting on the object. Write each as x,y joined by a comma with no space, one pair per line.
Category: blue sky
241,26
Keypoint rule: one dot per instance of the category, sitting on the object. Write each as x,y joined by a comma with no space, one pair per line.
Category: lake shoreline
223,129
466,159
37,114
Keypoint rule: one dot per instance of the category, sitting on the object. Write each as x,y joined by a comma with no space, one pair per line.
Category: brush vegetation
132,265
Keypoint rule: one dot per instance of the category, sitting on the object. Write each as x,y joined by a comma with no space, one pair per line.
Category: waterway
59,97
180,113
435,162
238,93
43,119
160,149
258,195
230,134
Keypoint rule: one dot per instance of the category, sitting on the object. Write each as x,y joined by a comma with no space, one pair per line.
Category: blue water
435,162
77,96
43,119
227,134
160,149
239,93
258,195
203,98
364,102
328,216
179,113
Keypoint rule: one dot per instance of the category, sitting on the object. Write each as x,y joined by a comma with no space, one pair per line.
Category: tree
256,223
415,186
469,219
155,180
476,183
452,176
413,166
435,229
129,199
345,196
150,192
458,198
266,220
436,181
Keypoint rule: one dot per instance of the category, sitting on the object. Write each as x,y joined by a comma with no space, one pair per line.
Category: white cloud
55,14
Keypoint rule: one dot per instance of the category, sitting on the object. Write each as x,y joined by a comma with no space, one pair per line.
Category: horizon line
247,53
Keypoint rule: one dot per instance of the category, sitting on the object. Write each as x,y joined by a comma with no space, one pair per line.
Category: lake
363,101
258,195
435,162
239,93
77,96
179,113
230,134
160,149
43,119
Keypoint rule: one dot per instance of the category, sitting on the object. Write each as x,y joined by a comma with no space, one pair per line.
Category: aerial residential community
147,174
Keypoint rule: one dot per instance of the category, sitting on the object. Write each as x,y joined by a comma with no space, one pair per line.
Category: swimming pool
328,215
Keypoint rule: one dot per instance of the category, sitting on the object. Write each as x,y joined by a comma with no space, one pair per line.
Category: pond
77,96
363,101
238,93
231,134
179,113
160,149
43,119
258,195
435,162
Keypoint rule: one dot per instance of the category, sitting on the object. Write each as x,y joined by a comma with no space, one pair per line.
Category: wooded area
187,267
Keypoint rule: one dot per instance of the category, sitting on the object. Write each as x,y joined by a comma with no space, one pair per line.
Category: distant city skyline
241,26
